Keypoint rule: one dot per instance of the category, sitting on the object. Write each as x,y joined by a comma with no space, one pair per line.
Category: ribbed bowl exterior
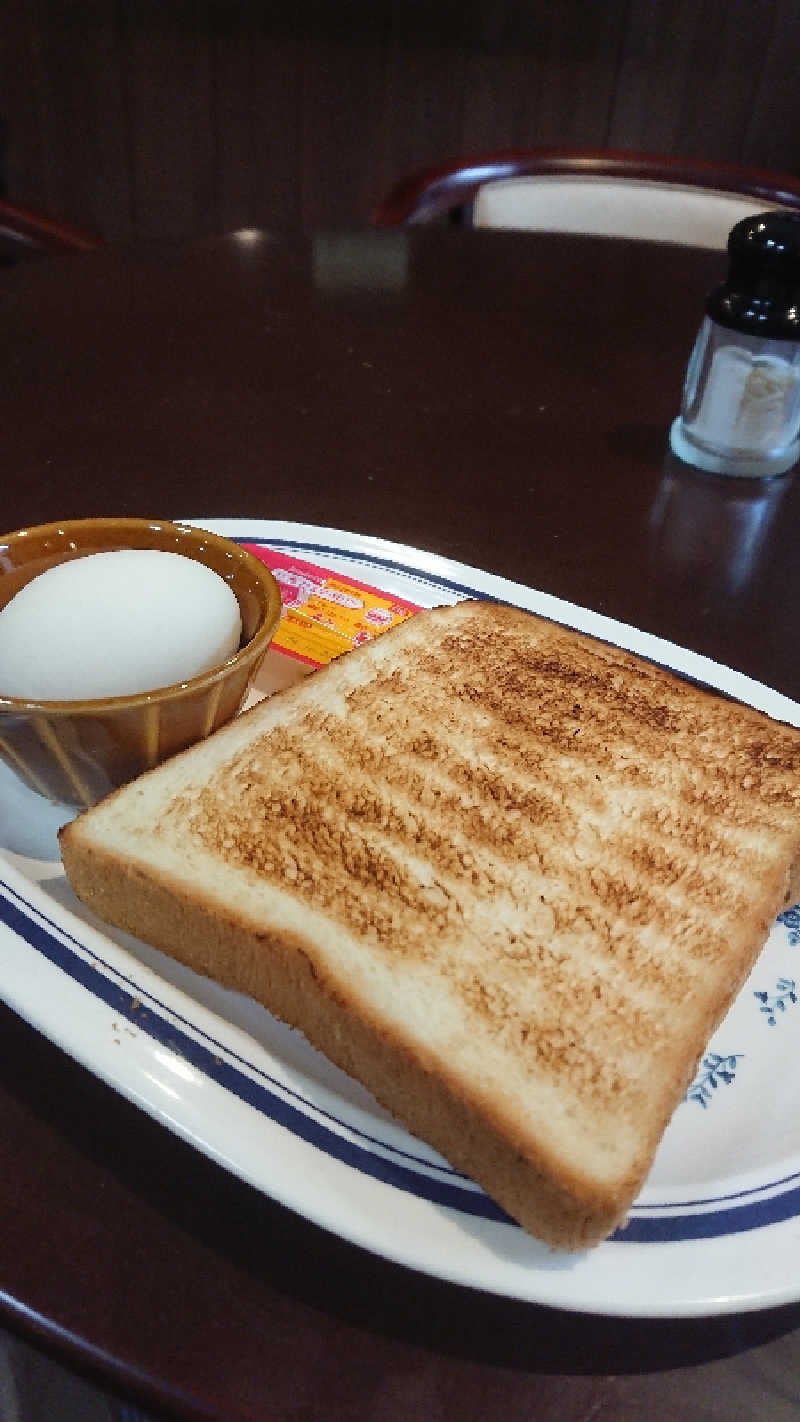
77,752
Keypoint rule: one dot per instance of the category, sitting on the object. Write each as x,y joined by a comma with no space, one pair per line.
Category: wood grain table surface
502,400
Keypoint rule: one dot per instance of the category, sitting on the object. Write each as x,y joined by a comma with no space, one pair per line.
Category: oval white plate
716,1228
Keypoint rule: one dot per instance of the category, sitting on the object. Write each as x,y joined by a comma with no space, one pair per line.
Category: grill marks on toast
513,860
456,811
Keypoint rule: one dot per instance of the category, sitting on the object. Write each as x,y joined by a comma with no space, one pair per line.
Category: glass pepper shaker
740,412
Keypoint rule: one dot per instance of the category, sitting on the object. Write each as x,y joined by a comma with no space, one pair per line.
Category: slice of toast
509,877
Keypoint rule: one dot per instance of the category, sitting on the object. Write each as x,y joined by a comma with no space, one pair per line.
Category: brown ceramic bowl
75,752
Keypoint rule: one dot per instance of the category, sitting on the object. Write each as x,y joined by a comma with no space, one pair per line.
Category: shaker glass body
740,412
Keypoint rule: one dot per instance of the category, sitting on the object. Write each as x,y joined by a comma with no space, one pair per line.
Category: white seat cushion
610,207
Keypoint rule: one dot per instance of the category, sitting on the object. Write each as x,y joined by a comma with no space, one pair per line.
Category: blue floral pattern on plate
716,1070
790,918
774,1003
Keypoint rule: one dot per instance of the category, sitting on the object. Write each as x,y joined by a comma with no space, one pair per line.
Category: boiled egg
114,624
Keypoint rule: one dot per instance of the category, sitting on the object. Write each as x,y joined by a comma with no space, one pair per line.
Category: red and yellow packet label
326,613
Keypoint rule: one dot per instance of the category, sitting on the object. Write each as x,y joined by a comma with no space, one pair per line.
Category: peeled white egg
113,624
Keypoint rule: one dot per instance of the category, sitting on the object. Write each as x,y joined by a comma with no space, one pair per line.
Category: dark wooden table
502,400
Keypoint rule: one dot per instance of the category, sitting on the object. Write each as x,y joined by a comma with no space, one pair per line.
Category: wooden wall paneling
23,136
342,97
660,46
60,150
422,104
504,73
516,74
542,74
512,74
168,47
584,48
723,77
257,76
108,160
170,118
45,110
232,81
773,131
275,115
79,73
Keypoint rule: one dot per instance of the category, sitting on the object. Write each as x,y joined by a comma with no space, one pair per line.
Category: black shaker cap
761,295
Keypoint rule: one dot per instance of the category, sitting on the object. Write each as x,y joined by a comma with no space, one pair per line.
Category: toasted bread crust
537,838
281,972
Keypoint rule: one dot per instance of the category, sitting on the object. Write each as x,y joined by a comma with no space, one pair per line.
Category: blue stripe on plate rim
742,1210
371,560
130,998
766,1204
